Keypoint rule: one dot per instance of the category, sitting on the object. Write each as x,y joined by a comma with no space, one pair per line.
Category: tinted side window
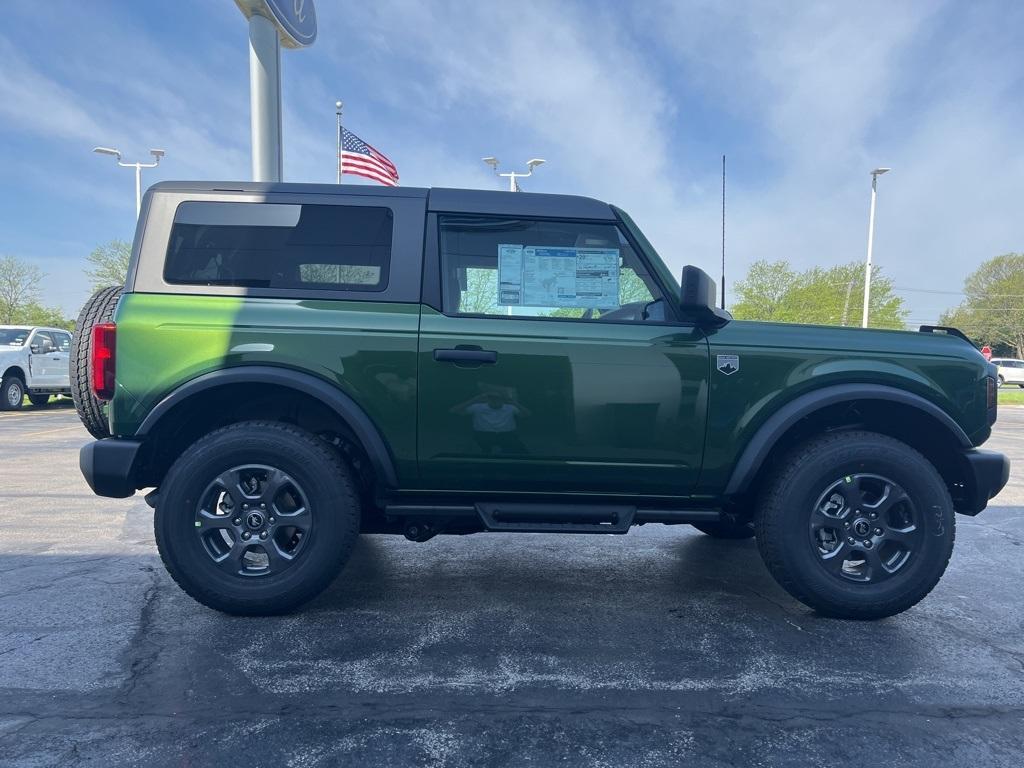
273,245
543,269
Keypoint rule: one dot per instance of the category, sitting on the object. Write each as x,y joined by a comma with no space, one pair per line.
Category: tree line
22,285
991,313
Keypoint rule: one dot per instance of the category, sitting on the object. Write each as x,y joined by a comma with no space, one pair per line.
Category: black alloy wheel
254,520
863,528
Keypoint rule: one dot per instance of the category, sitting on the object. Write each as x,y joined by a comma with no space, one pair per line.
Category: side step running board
556,518
423,521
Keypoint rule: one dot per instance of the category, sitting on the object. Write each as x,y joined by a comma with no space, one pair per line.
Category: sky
630,102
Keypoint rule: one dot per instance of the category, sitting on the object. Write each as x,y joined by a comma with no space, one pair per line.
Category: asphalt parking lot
662,647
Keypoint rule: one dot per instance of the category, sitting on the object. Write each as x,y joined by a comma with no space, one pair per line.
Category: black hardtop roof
438,198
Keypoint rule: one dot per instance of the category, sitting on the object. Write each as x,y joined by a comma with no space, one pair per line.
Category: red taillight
103,360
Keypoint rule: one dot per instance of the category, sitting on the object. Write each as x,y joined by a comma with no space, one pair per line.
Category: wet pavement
661,647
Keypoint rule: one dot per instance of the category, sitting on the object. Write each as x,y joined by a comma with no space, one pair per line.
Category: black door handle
466,355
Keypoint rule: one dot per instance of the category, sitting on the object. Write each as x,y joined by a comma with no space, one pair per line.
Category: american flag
360,159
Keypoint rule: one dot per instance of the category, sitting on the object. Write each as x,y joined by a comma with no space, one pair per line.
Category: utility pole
871,241
156,153
513,184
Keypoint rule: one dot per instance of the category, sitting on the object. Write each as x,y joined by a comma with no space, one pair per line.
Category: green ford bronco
289,365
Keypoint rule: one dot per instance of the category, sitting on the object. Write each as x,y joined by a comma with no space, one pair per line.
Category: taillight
103,360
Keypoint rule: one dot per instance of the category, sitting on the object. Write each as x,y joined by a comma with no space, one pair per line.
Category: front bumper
109,466
987,473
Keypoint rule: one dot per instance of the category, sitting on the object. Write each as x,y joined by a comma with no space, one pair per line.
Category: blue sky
629,102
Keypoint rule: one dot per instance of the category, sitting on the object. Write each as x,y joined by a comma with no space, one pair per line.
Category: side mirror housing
697,299
34,349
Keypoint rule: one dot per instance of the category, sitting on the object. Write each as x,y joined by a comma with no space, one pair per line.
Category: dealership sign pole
272,23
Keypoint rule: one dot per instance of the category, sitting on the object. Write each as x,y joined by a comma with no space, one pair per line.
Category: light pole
337,110
871,241
156,153
513,185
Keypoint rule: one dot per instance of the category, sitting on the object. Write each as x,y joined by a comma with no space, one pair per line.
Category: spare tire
91,410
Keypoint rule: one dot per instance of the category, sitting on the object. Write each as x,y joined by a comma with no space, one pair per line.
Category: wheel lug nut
263,535
237,521
867,544
851,539
878,531
245,506
263,506
246,535
271,520
873,515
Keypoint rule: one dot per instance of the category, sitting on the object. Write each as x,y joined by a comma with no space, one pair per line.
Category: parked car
290,365
1011,371
34,362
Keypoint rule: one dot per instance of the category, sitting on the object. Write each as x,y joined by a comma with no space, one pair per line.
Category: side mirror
697,299
34,349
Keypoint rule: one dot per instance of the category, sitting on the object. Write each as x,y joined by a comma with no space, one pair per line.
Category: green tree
992,311
19,288
19,296
51,317
821,295
109,264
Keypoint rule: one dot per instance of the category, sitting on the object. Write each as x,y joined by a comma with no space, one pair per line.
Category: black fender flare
776,425
359,422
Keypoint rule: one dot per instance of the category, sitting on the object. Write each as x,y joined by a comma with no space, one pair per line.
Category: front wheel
256,518
859,525
12,394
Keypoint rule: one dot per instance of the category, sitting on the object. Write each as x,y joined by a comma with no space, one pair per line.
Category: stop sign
987,352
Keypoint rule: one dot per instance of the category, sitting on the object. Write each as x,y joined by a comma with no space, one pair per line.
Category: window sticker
537,276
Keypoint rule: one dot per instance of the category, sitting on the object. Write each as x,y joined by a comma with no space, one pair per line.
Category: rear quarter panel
366,349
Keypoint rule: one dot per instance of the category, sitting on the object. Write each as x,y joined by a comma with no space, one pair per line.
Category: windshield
13,337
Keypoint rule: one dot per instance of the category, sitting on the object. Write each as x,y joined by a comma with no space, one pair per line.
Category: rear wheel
858,525
91,410
256,518
12,393
39,400
1000,381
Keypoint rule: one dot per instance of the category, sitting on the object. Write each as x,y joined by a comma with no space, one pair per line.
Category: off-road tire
8,382
91,410
727,529
782,524
333,500
39,401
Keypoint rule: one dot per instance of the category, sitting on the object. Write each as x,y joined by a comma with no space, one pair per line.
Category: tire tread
98,309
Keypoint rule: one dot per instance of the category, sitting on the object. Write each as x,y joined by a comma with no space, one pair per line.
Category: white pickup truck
34,362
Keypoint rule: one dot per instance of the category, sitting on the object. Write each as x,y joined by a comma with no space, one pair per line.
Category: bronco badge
728,364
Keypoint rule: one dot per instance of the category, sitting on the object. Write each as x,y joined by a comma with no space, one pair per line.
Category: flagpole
337,106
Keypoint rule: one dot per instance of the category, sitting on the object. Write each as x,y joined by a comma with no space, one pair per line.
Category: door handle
466,355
